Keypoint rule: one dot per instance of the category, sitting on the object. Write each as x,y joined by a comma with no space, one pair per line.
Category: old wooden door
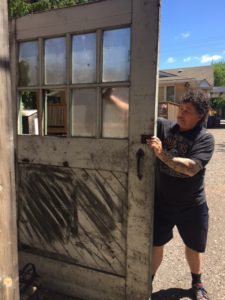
86,91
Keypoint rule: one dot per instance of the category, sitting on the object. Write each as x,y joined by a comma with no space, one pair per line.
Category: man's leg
194,235
157,257
194,260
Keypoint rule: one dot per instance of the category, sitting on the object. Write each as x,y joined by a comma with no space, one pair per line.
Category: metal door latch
139,155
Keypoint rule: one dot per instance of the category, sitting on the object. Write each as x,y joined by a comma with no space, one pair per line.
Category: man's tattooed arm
179,164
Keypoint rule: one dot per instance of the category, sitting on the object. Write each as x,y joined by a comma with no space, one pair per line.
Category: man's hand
156,145
181,165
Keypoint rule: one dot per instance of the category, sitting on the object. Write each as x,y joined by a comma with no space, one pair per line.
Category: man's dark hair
200,102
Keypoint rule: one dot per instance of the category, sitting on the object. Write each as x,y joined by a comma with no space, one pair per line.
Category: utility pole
8,230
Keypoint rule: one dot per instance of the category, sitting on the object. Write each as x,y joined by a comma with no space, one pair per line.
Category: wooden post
8,231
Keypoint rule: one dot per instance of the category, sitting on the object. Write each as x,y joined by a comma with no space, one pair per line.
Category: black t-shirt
176,191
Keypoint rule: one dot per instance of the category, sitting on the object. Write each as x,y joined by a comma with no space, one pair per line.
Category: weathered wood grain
8,231
144,66
75,19
74,280
108,154
76,215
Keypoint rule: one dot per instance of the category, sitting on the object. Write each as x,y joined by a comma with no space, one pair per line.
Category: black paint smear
48,200
106,196
95,210
4,63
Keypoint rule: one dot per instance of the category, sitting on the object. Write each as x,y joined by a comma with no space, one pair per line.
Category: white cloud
171,60
185,35
189,58
207,58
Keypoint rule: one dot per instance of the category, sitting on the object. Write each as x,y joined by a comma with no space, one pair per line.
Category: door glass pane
55,61
28,113
116,55
28,63
170,93
84,112
84,58
115,112
55,112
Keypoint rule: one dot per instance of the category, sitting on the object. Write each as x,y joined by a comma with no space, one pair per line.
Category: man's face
187,117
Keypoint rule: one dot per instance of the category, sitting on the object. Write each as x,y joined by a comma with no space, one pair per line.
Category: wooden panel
76,215
145,30
104,154
88,17
76,281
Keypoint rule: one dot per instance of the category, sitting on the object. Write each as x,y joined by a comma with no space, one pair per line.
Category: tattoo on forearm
179,164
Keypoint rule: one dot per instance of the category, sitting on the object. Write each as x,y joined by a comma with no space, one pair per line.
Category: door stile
144,62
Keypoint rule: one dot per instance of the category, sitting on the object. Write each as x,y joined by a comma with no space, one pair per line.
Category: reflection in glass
28,113
55,112
28,63
84,112
116,55
115,112
84,58
55,61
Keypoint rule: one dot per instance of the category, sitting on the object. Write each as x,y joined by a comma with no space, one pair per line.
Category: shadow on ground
172,294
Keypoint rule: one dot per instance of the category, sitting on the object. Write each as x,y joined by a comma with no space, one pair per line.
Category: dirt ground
172,282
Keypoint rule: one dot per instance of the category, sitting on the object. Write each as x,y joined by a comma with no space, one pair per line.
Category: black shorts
192,225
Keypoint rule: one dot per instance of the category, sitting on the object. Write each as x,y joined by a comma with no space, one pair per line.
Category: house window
75,85
170,93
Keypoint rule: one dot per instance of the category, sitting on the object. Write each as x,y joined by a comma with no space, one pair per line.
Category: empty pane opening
28,113
55,112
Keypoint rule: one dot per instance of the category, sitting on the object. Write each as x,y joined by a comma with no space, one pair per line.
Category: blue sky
192,33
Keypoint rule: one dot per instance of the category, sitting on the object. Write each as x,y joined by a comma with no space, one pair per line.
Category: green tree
18,8
219,73
218,103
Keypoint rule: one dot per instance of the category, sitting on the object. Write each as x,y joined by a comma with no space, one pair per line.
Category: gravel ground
172,281
173,278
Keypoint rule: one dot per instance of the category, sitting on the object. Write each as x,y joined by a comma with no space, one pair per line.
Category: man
182,150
